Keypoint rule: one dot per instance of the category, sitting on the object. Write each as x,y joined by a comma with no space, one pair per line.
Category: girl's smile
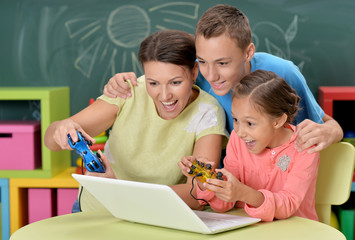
257,129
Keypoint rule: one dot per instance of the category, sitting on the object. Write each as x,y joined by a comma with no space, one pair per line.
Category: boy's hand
117,85
316,137
108,173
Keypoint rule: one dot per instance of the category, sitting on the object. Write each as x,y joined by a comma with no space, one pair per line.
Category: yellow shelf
19,197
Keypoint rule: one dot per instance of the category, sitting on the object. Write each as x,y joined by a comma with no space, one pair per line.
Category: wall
82,43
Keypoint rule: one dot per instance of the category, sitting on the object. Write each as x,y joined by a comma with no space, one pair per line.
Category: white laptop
157,205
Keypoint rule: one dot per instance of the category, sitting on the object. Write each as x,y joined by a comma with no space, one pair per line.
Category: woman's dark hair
169,46
270,93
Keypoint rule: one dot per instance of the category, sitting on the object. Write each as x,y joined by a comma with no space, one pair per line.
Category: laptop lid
146,203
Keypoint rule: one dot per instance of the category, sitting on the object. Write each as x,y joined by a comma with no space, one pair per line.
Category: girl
264,172
166,118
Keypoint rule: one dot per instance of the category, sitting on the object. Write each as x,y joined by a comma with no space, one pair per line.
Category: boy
225,53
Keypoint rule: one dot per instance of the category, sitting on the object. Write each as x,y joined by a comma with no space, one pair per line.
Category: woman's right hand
117,85
186,163
65,127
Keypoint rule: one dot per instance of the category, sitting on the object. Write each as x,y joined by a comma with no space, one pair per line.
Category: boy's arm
319,135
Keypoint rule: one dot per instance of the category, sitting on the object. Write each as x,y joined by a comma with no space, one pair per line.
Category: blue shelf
5,212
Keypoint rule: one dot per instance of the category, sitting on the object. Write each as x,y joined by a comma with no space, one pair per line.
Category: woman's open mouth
170,106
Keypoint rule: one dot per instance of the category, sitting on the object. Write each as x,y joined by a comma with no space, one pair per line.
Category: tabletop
102,225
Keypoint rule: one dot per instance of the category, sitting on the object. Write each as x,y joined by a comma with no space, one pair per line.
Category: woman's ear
195,72
280,121
250,50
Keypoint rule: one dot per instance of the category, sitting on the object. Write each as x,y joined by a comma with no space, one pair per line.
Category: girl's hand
227,190
108,173
66,127
233,190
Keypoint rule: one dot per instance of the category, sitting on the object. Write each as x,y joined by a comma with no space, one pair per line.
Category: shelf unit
54,105
5,215
328,95
19,194
336,101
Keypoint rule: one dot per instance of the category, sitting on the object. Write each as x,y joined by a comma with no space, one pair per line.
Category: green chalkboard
81,43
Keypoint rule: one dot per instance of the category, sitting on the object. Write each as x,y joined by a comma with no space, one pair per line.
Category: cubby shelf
54,105
5,215
327,95
19,194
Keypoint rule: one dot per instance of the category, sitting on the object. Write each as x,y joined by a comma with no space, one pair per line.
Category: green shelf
54,105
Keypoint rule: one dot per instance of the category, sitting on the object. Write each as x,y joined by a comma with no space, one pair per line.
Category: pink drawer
41,204
21,142
65,200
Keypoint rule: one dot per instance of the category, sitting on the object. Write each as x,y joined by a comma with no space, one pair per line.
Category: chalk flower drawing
125,28
279,45
116,37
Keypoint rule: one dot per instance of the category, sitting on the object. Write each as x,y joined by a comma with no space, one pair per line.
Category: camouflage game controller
204,171
92,161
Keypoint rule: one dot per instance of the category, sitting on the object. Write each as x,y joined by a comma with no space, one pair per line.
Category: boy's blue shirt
308,108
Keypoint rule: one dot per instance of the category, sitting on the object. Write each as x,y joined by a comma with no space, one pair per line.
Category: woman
166,118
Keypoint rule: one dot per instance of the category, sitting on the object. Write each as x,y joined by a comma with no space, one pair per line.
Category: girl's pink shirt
287,179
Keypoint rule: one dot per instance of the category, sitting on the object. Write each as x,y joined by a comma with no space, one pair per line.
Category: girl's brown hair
269,93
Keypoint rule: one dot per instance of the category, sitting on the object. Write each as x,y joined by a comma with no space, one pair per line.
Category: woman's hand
65,127
186,163
108,172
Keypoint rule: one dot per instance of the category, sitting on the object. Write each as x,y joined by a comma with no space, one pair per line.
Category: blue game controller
92,161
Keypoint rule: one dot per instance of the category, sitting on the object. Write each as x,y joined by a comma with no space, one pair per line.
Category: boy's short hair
225,19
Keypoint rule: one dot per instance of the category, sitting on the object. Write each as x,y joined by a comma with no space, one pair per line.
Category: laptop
157,205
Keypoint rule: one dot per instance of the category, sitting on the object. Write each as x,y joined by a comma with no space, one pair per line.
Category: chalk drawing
125,27
281,40
188,7
114,39
85,62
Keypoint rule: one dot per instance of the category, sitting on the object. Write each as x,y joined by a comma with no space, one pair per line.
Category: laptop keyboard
215,221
